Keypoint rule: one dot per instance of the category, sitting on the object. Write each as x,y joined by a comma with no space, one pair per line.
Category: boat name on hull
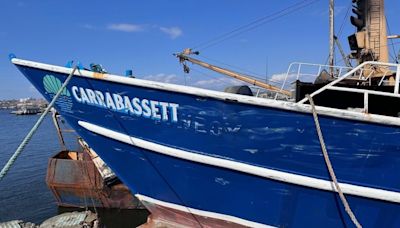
158,110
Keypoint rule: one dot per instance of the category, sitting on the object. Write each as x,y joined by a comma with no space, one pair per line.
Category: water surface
23,191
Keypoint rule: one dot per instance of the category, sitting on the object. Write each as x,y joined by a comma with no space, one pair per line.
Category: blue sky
142,35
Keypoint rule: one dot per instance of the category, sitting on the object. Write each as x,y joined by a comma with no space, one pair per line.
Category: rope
329,165
252,23
28,137
85,173
144,154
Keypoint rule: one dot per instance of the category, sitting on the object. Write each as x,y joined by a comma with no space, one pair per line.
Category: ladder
375,18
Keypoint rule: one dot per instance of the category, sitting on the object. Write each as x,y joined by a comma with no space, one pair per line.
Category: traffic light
359,10
357,40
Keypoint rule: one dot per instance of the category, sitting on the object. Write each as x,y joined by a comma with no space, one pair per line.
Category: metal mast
331,36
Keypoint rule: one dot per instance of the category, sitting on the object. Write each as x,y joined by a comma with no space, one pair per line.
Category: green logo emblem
53,85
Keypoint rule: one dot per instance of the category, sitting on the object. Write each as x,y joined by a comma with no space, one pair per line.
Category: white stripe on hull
345,114
208,214
373,193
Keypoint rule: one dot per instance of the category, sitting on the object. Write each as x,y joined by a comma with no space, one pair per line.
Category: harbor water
23,191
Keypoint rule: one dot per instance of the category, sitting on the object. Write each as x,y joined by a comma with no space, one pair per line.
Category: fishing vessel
216,159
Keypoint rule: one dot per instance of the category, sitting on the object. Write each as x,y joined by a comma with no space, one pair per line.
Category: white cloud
126,27
88,26
219,83
172,32
281,77
167,78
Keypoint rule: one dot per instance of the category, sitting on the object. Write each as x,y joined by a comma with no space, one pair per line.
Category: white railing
297,71
312,71
362,67
266,93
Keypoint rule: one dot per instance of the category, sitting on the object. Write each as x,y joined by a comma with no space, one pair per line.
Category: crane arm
184,57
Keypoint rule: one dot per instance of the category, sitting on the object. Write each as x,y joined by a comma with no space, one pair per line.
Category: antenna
266,69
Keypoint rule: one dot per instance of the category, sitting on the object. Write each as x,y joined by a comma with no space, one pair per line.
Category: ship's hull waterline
216,159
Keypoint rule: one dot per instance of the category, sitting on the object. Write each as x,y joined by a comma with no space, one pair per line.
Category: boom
184,57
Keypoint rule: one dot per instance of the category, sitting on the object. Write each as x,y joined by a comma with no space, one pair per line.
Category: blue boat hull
252,143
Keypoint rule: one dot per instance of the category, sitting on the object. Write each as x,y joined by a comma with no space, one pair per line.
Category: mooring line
329,165
28,137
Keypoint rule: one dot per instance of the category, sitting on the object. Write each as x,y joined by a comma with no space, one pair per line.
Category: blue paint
11,56
69,64
80,66
128,73
363,154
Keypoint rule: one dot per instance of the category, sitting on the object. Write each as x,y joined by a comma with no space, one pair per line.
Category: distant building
31,103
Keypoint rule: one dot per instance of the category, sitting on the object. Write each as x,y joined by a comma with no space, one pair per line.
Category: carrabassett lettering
146,108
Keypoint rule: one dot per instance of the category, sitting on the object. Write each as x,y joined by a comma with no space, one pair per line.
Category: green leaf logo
53,84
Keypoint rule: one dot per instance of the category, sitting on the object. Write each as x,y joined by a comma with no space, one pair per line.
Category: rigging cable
254,24
242,70
248,73
339,34
341,29
147,159
243,26
344,20
212,77
395,58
